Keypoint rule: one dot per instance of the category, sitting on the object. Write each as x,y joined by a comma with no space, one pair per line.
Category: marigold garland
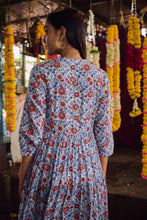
134,63
9,77
113,71
144,101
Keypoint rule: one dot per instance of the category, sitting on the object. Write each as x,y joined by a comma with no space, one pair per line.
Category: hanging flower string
144,101
109,64
116,81
39,36
9,77
113,71
93,54
134,63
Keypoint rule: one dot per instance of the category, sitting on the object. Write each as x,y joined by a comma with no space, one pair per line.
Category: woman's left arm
26,160
33,119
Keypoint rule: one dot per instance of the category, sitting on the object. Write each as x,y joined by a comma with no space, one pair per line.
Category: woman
65,133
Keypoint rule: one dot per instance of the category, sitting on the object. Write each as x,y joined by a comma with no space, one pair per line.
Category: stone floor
127,190
124,173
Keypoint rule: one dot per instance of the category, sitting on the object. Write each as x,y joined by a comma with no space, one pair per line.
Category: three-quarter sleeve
33,118
102,124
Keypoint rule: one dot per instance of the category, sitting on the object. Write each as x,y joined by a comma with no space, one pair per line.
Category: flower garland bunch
93,54
144,101
113,72
6,67
109,65
9,76
116,81
134,63
39,36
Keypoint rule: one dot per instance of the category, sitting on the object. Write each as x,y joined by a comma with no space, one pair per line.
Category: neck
70,52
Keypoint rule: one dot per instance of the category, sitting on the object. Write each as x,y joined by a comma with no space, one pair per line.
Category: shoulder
43,66
94,70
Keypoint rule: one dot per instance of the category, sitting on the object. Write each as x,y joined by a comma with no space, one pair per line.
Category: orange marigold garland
134,63
144,101
113,71
9,77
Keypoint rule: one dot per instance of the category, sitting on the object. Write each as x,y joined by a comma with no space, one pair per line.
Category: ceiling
21,13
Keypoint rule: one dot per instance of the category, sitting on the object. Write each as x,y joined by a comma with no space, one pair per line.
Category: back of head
75,28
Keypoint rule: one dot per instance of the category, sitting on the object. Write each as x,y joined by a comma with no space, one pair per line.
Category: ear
61,33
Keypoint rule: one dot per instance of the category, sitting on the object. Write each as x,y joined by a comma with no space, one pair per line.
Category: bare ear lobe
62,33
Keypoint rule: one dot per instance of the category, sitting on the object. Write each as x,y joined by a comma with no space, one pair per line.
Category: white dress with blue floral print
66,126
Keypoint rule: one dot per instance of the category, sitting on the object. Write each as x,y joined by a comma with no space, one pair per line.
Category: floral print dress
66,126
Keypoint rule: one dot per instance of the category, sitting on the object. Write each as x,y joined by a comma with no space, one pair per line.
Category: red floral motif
41,65
33,175
75,84
63,157
48,212
61,91
74,130
42,188
78,195
70,168
71,157
64,144
61,169
30,131
76,117
38,76
90,94
76,216
94,214
46,167
60,128
75,107
61,115
72,67
107,122
61,196
34,97
76,94
86,67
88,153
51,124
59,77
89,207
39,212
62,104
42,123
76,206
72,79
88,79
57,64
40,152
82,179
34,197
36,84
81,167
55,188
51,143
66,209
49,156
70,182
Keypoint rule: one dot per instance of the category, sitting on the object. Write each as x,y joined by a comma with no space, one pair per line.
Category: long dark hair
75,28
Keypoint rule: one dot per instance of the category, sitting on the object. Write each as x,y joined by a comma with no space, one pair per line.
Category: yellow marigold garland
9,77
133,75
144,100
113,71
